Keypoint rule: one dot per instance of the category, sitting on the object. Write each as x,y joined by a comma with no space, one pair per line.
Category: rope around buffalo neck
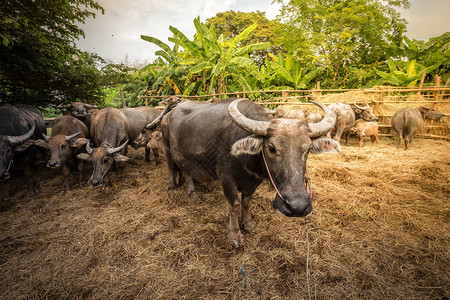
308,184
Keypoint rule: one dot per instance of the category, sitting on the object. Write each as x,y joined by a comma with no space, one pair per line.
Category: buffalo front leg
66,184
234,233
247,222
147,155
156,155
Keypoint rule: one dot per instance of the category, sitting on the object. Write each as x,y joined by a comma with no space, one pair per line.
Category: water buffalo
364,112
20,125
238,144
156,145
138,117
80,110
109,132
407,121
145,134
345,120
362,129
297,113
313,117
68,136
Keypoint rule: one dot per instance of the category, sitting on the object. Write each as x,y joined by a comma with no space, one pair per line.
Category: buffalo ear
75,143
120,158
84,156
24,146
322,145
249,145
41,143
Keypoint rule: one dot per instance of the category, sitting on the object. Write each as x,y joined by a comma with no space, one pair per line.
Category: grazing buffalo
407,121
363,112
138,118
80,110
109,132
156,145
68,136
362,129
276,113
235,142
20,125
345,120
313,117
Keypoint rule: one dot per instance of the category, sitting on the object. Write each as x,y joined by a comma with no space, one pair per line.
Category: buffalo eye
271,148
105,159
63,146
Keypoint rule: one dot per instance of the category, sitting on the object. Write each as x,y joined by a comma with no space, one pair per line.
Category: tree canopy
39,60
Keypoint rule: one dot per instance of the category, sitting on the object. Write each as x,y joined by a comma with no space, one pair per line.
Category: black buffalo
20,125
228,142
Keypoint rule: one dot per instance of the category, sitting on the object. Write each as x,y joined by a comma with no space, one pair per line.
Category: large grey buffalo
234,141
138,118
20,125
407,121
80,110
69,136
109,132
345,120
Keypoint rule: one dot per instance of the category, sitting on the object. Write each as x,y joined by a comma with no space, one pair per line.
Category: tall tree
339,33
232,23
40,63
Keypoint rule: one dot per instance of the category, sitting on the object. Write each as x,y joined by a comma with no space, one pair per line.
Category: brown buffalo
297,113
109,132
363,129
138,118
235,142
68,136
156,145
407,121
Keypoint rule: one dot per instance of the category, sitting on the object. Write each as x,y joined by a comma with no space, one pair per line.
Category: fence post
243,90
122,98
437,94
421,82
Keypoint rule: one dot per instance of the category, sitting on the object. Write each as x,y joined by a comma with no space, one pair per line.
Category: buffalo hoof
236,239
249,226
196,195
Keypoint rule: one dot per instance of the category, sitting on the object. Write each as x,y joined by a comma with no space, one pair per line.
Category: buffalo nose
4,176
52,163
96,182
299,207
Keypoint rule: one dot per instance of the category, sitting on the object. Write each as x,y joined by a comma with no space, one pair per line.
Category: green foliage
39,61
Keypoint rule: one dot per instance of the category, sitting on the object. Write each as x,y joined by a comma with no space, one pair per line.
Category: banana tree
288,72
404,73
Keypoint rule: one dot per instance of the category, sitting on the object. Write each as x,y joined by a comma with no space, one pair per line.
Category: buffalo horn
69,137
16,140
91,106
46,137
362,108
325,125
67,106
117,149
258,127
88,148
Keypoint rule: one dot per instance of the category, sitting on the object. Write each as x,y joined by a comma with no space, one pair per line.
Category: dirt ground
379,230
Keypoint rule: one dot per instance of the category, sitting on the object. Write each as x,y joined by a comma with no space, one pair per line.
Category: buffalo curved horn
91,106
67,106
325,125
16,140
88,148
254,126
69,137
117,149
46,137
362,108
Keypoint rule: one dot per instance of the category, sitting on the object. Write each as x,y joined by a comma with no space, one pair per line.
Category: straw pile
379,230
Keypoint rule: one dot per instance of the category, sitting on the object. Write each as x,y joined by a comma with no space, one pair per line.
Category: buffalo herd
234,141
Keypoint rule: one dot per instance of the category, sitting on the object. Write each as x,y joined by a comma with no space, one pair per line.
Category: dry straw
379,230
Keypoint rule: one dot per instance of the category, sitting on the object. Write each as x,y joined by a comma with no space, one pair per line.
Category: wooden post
437,94
122,98
243,90
421,82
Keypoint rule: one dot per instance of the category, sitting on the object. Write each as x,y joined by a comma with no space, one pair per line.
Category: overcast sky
116,34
